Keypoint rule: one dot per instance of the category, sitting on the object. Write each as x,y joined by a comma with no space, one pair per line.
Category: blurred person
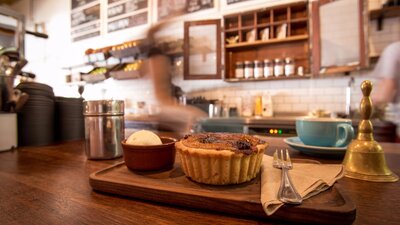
387,71
386,96
173,115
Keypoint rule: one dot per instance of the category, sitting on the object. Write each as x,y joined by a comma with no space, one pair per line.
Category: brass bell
365,159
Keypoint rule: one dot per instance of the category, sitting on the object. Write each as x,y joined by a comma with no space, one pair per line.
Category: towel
309,180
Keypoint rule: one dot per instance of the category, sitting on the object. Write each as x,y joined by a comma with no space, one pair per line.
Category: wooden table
49,185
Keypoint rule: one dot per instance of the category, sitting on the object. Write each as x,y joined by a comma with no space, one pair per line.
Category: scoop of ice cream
144,137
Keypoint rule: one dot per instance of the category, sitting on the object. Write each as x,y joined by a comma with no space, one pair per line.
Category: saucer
298,145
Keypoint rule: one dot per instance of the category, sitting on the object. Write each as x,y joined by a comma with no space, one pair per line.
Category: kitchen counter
384,131
50,185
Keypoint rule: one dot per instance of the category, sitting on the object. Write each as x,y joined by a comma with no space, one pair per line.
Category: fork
287,192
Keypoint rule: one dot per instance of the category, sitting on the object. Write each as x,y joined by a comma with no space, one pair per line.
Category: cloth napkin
308,178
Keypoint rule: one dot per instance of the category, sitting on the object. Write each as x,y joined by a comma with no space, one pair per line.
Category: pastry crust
213,164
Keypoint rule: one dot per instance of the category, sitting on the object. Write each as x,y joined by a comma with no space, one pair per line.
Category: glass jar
300,71
278,67
239,73
248,69
258,69
289,66
268,68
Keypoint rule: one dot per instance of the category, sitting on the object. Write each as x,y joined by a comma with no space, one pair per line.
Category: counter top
253,120
50,185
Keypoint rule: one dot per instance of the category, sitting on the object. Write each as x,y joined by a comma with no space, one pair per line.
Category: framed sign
202,50
78,3
85,19
126,14
229,2
169,8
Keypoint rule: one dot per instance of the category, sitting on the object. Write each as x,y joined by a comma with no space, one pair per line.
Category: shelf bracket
379,22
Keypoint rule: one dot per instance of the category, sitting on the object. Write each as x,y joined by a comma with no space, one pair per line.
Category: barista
173,116
387,71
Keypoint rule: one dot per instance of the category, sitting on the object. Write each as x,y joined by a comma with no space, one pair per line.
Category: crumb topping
239,143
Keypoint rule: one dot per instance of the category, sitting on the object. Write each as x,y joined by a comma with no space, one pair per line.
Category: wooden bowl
150,157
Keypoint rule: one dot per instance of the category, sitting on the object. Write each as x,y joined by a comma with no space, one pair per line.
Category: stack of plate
36,118
69,121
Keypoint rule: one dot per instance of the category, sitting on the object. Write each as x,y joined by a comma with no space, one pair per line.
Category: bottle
247,105
289,66
258,69
300,71
258,107
267,109
239,73
278,67
224,107
248,69
268,68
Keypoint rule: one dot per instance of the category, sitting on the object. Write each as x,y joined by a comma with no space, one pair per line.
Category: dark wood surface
50,185
173,187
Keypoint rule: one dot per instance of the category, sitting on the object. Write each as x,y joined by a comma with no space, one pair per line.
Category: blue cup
325,132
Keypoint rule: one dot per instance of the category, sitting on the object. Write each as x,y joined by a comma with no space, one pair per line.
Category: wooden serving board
173,187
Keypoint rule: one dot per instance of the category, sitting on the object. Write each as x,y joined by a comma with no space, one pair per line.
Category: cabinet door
202,50
339,36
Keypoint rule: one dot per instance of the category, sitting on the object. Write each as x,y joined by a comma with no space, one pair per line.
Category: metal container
6,91
104,128
8,131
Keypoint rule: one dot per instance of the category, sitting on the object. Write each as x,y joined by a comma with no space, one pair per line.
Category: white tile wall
379,39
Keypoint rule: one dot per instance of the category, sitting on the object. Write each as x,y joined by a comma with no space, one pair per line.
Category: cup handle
346,133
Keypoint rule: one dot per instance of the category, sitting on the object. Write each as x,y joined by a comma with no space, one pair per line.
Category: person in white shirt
173,116
387,92
388,72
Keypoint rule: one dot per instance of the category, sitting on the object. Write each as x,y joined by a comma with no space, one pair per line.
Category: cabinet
340,43
277,32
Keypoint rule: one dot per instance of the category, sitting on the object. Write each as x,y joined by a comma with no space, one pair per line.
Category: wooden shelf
387,12
126,52
295,43
231,30
174,54
94,78
270,41
339,69
263,25
298,20
280,22
125,75
295,77
247,27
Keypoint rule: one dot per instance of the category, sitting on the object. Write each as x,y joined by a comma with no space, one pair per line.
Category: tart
221,158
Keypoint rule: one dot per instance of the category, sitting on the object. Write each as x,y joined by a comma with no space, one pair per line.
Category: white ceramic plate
298,145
